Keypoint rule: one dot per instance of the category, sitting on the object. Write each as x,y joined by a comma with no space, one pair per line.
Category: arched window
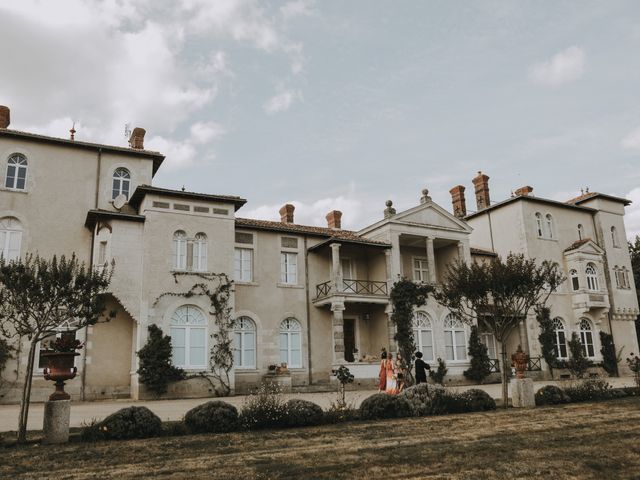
575,281
455,339
16,172
614,237
290,343
189,337
580,232
561,338
549,226
199,261
586,338
179,261
121,183
592,277
244,343
423,334
539,229
10,238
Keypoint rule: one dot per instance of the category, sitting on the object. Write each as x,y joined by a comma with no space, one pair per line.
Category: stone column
337,308
431,260
55,428
396,262
391,330
336,267
387,263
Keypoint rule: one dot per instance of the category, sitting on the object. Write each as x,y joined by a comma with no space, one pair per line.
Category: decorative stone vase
282,369
60,368
519,360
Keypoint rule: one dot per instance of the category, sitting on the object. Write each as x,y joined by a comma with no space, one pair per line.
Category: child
421,369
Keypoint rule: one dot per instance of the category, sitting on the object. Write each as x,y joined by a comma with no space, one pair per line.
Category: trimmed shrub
383,405
551,395
478,400
264,409
130,422
480,367
302,413
421,396
439,373
589,390
212,417
156,370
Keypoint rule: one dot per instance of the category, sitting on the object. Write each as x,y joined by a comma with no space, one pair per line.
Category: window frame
549,226
11,227
288,269
240,278
575,280
289,327
188,327
179,251
560,338
580,232
539,225
20,163
199,253
614,237
587,338
592,278
418,271
454,325
239,329
422,323
121,181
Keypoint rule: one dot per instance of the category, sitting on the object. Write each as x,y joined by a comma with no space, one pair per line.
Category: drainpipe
306,288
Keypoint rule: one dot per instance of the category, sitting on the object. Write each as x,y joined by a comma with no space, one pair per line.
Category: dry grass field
585,441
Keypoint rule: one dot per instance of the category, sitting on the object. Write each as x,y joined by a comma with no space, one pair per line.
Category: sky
341,105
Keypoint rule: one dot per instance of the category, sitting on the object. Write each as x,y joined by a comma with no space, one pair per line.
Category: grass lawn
588,440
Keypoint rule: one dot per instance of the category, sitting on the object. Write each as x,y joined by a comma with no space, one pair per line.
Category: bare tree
38,295
499,295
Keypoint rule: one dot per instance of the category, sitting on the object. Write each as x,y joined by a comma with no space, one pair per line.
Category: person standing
401,372
382,382
391,386
421,369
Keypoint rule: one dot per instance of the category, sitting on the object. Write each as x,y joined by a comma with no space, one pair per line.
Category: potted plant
60,357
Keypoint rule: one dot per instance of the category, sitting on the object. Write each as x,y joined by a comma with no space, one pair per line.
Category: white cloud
281,102
297,8
564,67
204,132
632,140
632,214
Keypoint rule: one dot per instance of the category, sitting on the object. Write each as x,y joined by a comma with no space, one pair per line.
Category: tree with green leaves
156,370
547,337
498,295
634,252
37,296
405,296
610,357
480,367
578,363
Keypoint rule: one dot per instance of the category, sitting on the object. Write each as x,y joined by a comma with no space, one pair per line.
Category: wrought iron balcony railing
352,287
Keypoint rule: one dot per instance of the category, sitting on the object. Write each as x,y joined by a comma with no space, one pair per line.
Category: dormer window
16,178
121,183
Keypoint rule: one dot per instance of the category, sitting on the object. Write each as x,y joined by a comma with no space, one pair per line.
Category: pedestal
282,381
522,393
56,421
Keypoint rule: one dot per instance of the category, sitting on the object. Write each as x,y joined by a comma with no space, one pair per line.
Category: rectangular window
201,209
575,283
220,211
289,242
489,341
420,270
289,268
160,204
243,265
102,253
448,345
11,175
244,238
181,206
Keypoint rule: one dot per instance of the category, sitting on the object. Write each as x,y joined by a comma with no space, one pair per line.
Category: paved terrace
85,412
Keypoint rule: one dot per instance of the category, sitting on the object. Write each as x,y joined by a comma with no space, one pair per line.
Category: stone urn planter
59,369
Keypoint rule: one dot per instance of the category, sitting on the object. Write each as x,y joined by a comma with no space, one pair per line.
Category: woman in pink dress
392,385
382,376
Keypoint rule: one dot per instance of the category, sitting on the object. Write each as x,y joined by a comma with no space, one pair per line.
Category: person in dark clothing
421,369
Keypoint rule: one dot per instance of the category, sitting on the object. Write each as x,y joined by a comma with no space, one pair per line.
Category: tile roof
577,244
526,198
94,215
142,190
482,251
157,157
346,235
586,196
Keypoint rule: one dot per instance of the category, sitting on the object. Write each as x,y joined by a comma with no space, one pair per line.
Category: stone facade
310,297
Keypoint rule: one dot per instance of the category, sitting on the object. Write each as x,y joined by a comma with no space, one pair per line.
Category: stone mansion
311,297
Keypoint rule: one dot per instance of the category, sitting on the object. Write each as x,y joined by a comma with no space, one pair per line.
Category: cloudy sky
334,104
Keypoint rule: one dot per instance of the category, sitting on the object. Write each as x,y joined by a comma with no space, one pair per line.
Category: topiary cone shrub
551,395
302,413
127,423
383,405
212,417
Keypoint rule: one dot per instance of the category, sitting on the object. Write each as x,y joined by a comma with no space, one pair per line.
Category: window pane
178,337
178,356
460,340
197,356
197,337
284,348
249,358
461,352
448,352
295,359
428,354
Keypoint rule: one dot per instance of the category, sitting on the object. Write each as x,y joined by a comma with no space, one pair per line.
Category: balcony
353,290
583,302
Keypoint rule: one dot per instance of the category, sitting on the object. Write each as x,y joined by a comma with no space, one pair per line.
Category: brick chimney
286,213
334,218
481,182
458,201
5,116
137,138
523,191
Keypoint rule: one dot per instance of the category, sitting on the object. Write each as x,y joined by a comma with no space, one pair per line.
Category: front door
350,339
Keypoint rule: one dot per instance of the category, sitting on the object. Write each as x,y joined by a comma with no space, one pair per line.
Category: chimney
334,218
5,116
458,201
137,138
481,182
286,213
523,191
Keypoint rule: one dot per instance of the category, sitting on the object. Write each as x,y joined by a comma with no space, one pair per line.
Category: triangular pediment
587,246
432,215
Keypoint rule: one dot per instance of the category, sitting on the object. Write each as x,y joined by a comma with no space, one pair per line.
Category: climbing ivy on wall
217,288
405,296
